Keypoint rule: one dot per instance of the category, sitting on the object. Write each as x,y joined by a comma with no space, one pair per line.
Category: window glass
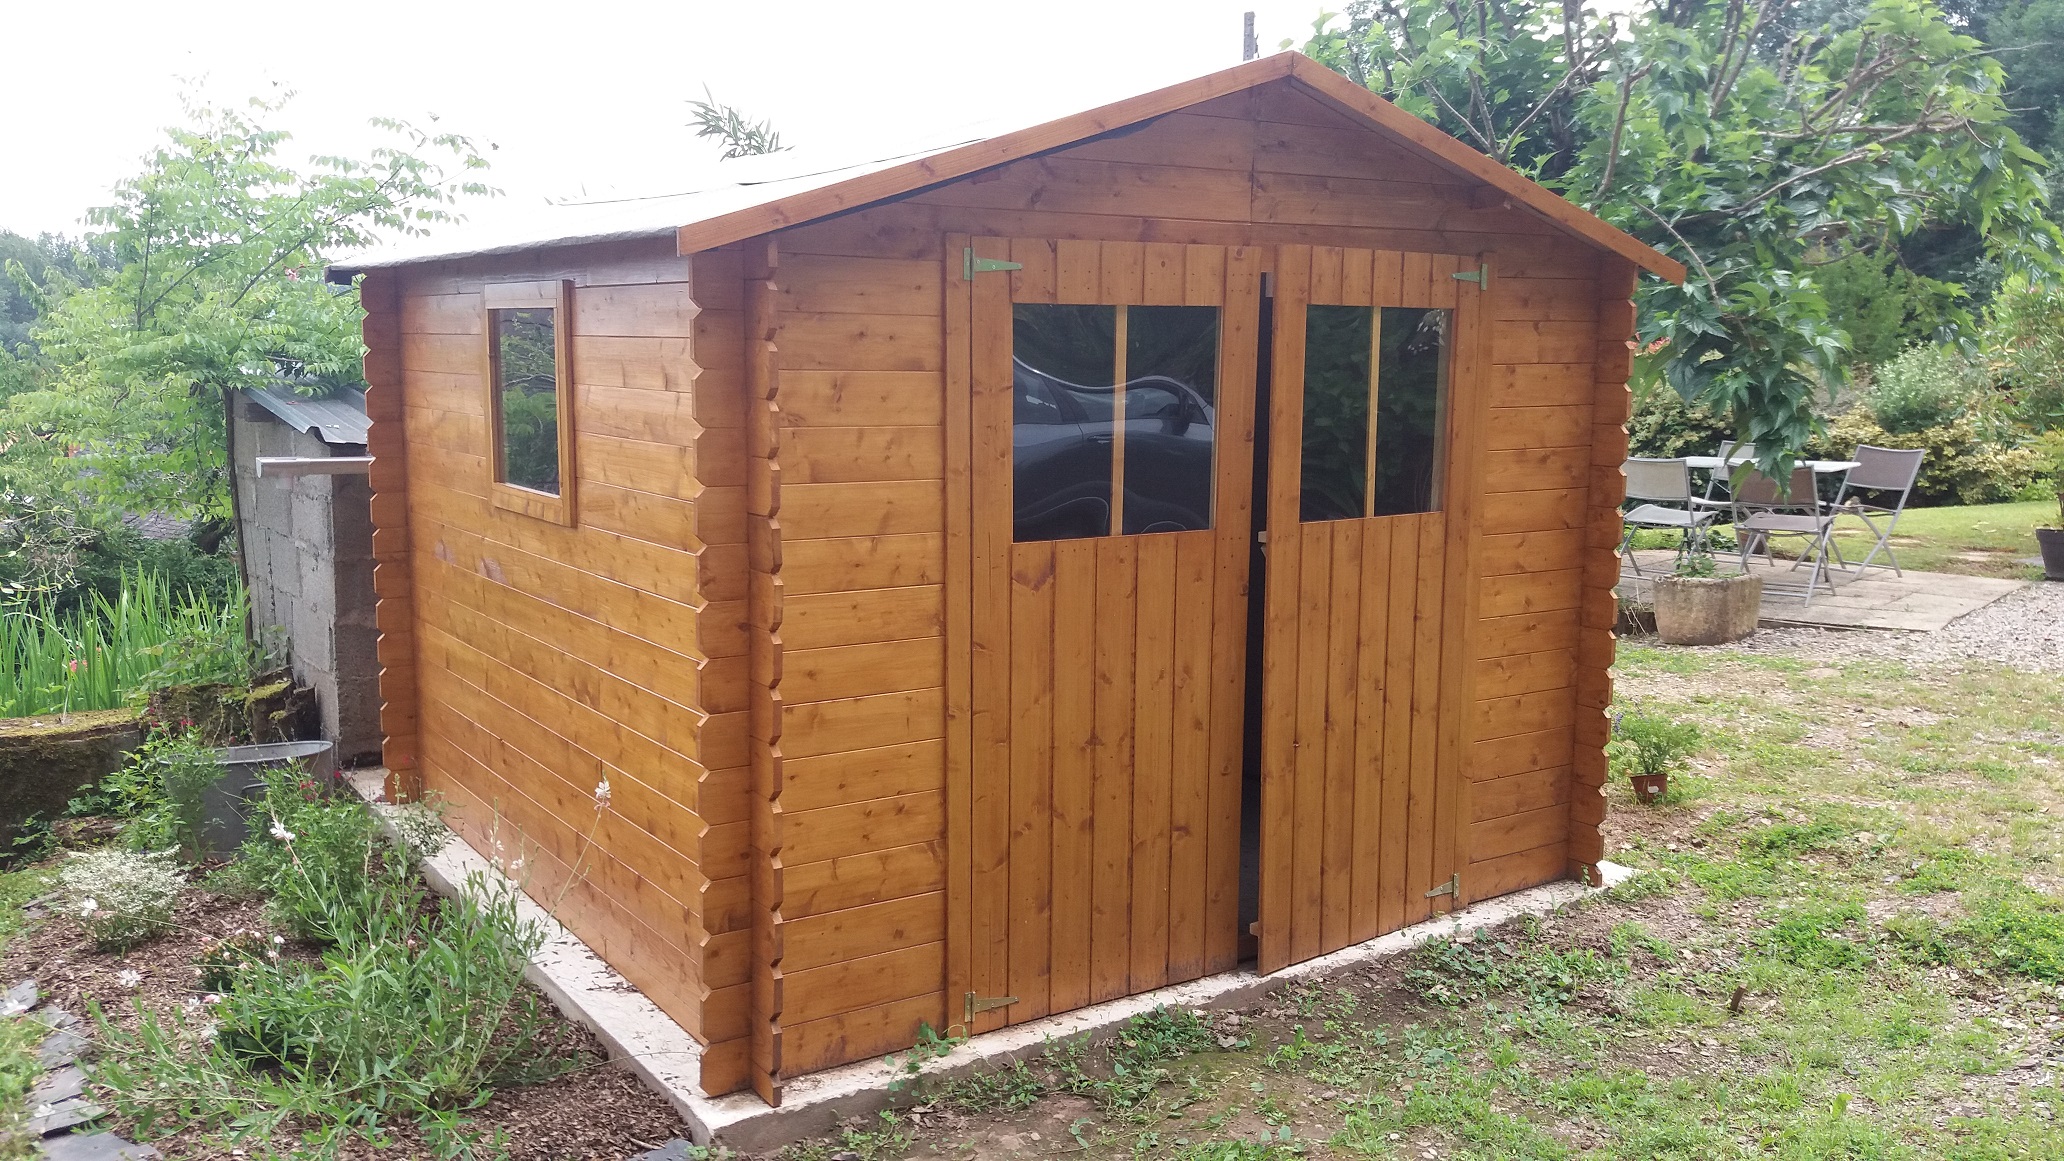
1171,404
527,398
1411,410
1064,362
1337,348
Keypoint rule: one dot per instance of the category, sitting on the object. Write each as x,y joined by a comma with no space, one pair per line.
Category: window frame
556,296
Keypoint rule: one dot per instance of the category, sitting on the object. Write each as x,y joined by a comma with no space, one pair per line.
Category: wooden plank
989,705
844,564
1031,776
1342,694
1402,589
1074,786
1190,757
1427,625
843,671
1153,759
1279,655
1371,660
1308,860
1115,663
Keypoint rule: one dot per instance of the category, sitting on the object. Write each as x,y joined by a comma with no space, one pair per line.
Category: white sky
586,98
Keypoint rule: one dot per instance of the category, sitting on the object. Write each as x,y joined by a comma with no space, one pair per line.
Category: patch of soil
597,1110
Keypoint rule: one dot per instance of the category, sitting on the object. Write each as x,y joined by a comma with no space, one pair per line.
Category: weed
2006,928
1820,936
1270,1146
930,1046
858,1140
1460,971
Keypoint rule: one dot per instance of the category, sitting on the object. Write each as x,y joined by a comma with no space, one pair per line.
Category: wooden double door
1142,424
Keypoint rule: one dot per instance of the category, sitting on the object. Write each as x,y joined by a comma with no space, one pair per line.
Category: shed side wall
550,659
863,513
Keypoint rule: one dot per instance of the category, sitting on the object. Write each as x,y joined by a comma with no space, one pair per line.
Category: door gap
1257,584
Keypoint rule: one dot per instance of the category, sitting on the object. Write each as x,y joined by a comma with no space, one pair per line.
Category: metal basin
225,804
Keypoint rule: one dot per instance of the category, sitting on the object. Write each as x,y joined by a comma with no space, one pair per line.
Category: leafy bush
1968,461
122,897
159,791
2024,345
1926,387
318,858
1650,744
1664,426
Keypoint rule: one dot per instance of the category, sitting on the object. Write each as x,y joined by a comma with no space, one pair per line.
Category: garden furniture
1889,474
1665,488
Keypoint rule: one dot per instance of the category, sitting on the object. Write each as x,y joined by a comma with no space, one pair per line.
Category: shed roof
339,418
720,215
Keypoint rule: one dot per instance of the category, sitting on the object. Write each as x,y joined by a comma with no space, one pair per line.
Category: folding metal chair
1717,495
1763,510
1888,473
1664,487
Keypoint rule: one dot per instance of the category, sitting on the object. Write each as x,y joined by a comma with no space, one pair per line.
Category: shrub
1664,426
1650,744
122,897
159,791
1926,387
2024,345
318,858
1966,461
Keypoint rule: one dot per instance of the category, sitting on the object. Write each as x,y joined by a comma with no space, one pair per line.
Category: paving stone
63,1085
95,1147
62,1116
61,1048
674,1150
56,1018
18,999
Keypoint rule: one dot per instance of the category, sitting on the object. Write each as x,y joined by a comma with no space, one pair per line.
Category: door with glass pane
1367,612
1110,465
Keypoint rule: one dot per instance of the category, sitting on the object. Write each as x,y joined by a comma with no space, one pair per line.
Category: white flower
208,1033
515,865
88,906
212,999
129,977
278,939
281,833
602,793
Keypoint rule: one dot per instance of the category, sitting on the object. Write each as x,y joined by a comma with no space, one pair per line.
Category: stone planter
1706,610
2052,542
47,760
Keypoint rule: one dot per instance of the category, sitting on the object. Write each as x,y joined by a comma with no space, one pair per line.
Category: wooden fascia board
1323,82
977,156
1416,134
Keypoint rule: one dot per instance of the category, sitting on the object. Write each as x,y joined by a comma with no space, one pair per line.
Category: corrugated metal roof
337,418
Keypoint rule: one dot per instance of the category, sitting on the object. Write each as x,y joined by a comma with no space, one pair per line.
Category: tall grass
95,657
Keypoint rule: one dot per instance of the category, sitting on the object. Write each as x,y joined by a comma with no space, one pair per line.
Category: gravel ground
2022,630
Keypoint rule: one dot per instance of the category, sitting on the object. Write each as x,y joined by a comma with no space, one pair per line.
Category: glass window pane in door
1411,410
1064,361
1337,342
526,370
1171,406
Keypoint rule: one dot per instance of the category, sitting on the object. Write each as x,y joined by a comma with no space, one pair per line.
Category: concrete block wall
308,559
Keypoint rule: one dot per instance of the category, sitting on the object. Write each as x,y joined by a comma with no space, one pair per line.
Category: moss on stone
47,760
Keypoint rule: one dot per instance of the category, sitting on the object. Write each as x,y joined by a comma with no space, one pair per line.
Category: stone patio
1917,602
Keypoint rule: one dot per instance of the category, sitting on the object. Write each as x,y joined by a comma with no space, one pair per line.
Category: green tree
211,281
1744,157
740,135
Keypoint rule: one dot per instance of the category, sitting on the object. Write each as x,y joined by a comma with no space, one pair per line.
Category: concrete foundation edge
668,1060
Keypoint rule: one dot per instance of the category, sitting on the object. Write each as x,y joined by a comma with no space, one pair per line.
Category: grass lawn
1848,942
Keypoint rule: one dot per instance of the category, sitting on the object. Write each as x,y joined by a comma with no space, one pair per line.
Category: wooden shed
1004,578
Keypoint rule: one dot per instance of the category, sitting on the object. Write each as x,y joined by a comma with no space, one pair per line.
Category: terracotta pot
1693,610
2052,542
1651,787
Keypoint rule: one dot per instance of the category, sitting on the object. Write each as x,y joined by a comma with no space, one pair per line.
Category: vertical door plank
1469,368
1326,278
1397,720
1386,281
1124,274
1279,658
1373,624
1153,720
1426,649
1031,777
1110,937
1078,271
1344,608
1204,270
1164,274
1233,502
1416,280
1190,765
1074,736
959,429
1035,283
990,536
1357,278
1315,592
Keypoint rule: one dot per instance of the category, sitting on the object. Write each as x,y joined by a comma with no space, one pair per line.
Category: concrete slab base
668,1060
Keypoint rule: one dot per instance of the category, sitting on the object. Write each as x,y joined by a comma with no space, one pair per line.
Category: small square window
530,398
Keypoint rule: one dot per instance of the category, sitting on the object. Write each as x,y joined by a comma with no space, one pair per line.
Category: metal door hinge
977,1003
1452,887
1481,276
971,265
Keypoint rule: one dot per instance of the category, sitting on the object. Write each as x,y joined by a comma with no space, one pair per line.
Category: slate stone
18,999
63,1085
61,1048
64,1116
95,1147
674,1150
56,1018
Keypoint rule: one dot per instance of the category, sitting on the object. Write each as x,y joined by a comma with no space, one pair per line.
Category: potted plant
2050,452
1697,606
1647,748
